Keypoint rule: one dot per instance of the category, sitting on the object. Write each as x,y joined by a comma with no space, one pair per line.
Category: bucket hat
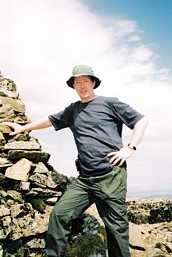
81,70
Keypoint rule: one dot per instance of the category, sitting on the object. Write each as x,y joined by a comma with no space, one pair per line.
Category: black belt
83,173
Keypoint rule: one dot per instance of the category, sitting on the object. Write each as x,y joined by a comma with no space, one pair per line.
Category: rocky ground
150,226
30,186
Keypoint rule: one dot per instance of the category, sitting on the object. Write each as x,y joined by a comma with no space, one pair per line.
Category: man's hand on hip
120,156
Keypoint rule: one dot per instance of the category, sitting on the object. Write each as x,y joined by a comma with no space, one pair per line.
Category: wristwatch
133,147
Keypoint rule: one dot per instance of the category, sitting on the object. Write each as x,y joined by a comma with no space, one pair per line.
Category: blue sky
154,18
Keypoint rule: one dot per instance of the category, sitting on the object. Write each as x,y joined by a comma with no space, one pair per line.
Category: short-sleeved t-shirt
97,129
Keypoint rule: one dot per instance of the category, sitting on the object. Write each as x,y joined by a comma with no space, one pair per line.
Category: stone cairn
29,187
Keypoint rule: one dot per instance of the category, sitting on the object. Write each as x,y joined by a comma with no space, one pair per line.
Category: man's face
84,87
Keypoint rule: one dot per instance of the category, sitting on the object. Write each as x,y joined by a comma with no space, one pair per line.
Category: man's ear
94,82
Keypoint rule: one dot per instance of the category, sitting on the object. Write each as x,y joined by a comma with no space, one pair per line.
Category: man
96,123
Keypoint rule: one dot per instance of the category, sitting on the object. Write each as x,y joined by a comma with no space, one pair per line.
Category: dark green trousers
109,194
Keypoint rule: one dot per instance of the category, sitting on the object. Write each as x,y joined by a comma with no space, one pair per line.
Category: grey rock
16,196
7,84
6,221
136,237
6,111
3,193
10,202
34,156
36,243
21,210
20,170
4,211
15,104
8,93
23,145
30,225
3,166
41,168
39,180
24,136
43,192
50,182
51,200
4,232
24,186
4,161
43,180
16,210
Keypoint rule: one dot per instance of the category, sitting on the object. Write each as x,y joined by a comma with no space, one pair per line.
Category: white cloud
41,42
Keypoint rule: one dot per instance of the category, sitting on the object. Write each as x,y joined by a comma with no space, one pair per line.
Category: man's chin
84,96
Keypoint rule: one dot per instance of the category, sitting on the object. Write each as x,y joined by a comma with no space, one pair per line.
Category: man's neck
85,100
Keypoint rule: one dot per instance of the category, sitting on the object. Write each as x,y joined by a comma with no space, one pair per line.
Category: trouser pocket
114,184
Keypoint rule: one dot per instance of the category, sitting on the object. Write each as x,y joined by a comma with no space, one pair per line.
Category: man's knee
61,215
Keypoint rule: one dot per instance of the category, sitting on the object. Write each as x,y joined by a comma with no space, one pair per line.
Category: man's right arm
40,124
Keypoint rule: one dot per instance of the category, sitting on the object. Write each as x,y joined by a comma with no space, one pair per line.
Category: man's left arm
126,151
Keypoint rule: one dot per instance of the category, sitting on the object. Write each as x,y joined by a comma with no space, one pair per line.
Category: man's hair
90,77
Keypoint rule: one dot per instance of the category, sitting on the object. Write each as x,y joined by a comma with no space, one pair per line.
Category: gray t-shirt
97,130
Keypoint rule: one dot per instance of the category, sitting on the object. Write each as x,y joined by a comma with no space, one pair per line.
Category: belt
83,173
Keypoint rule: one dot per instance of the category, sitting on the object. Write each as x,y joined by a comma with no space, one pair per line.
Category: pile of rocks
29,186
25,207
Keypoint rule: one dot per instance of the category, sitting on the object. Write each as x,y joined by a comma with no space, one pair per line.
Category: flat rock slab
34,156
20,170
43,192
23,145
4,162
41,168
43,180
15,104
136,236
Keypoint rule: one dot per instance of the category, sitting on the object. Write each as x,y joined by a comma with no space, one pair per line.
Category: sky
153,17
128,45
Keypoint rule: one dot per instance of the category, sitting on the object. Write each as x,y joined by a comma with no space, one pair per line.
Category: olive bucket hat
81,70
